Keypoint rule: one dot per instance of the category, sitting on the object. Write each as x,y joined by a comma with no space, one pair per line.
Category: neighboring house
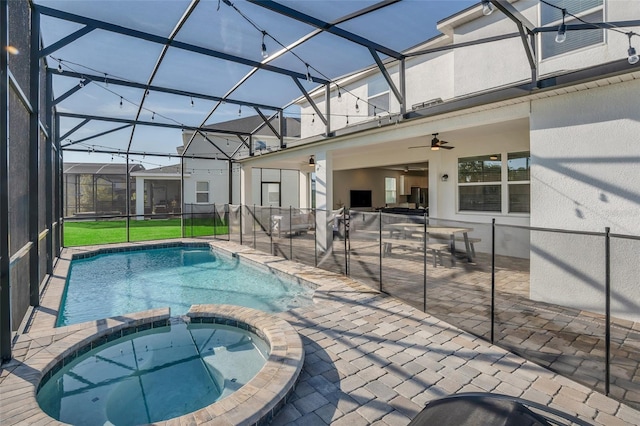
95,189
274,186
561,153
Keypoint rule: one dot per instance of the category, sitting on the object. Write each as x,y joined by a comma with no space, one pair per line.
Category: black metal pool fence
563,299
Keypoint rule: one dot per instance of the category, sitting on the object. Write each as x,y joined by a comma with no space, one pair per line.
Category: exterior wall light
445,177
487,8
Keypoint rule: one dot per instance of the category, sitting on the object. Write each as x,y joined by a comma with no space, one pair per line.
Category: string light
240,111
120,102
60,66
347,119
81,83
106,82
562,29
192,104
357,106
313,119
339,95
264,52
309,79
633,56
153,116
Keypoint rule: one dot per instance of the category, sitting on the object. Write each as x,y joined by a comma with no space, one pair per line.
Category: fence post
424,265
380,245
607,289
290,235
240,225
346,236
214,220
493,277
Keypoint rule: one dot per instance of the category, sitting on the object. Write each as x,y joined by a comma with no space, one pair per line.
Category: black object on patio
479,409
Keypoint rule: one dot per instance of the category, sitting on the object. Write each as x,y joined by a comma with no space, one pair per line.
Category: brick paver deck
373,359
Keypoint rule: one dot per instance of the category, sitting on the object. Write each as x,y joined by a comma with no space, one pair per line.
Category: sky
235,31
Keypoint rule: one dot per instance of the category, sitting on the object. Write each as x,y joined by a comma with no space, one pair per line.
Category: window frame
505,183
388,191
198,192
371,96
569,20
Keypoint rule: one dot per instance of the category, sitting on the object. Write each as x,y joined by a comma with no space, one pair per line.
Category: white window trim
504,183
395,190
570,20
369,103
208,192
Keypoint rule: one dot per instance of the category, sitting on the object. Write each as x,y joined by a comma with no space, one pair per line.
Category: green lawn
114,231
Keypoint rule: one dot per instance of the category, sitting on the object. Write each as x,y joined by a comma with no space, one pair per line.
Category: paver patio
373,359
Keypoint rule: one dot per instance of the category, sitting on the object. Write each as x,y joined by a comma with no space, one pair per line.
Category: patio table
408,230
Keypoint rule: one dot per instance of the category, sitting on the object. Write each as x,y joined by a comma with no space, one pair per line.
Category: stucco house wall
585,149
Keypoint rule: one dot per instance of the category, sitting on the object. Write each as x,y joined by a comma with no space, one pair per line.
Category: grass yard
115,231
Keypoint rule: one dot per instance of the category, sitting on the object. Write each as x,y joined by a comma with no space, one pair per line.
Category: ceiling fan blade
421,146
442,142
447,147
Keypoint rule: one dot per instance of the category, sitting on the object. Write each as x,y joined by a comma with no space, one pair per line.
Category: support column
246,196
34,159
49,175
324,201
140,198
5,295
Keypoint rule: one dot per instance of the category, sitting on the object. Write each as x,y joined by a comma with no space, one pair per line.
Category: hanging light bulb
240,111
633,56
60,66
106,83
265,54
562,29
153,115
227,142
313,119
347,120
192,104
379,122
339,95
120,102
81,83
357,106
487,8
309,79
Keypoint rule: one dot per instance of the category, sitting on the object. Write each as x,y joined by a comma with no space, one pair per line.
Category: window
588,10
389,190
482,185
518,165
378,92
479,183
202,192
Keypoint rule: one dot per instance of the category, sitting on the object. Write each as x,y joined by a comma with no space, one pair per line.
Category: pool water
153,375
115,284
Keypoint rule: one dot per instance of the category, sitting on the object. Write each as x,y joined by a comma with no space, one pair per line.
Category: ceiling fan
436,144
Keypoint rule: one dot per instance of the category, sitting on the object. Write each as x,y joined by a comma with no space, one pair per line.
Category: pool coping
268,390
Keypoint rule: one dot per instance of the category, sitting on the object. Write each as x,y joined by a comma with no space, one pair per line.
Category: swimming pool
154,375
114,284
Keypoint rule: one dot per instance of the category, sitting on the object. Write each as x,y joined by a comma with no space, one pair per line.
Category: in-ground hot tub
167,369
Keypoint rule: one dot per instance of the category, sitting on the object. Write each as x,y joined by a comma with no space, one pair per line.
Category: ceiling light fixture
633,56
562,29
487,8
